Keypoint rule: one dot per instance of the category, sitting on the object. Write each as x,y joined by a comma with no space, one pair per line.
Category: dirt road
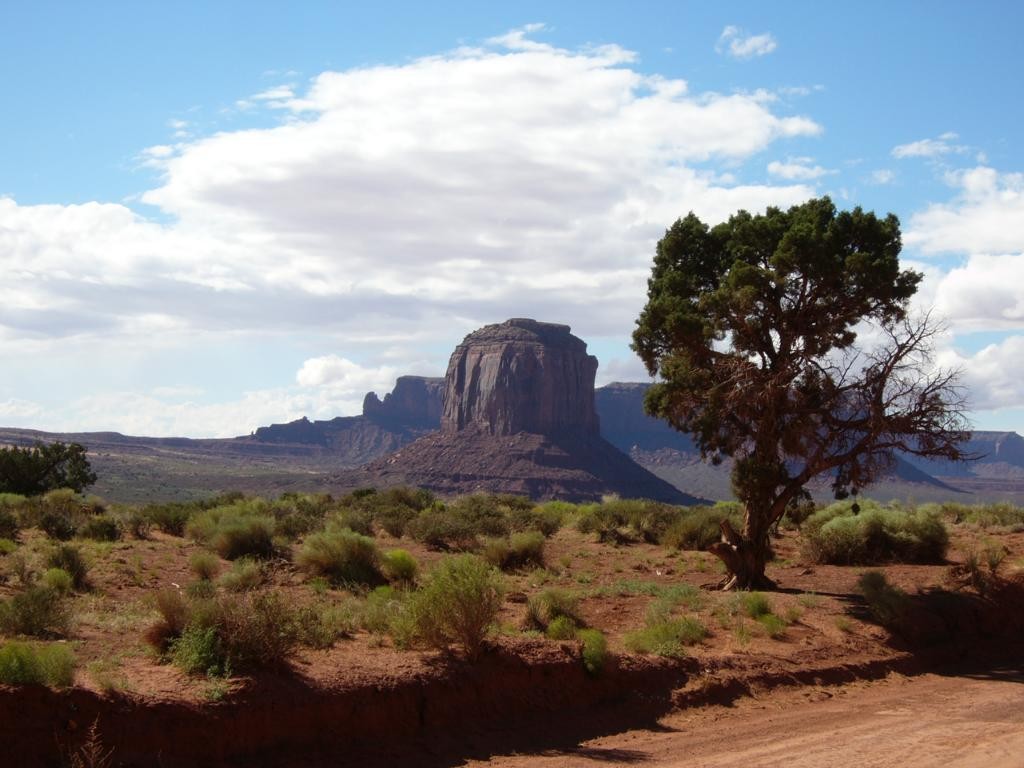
956,720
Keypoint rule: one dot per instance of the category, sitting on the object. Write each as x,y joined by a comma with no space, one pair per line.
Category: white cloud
740,45
340,372
411,201
929,147
882,176
797,169
993,376
986,216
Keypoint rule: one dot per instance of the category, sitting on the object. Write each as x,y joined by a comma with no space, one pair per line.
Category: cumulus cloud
797,169
739,44
986,216
337,371
882,176
943,145
993,376
401,202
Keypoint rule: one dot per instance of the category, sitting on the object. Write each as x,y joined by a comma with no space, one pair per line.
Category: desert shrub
547,518
381,608
602,520
101,528
9,500
438,529
981,515
458,603
204,565
838,536
698,527
201,589
174,616
551,604
52,664
354,519
57,525
343,556
169,518
8,524
561,628
134,522
398,565
246,574
37,610
755,604
234,532
888,604
198,651
484,514
58,580
678,595
319,626
256,630
647,520
69,558
774,626
392,509
519,550
594,651
667,637
7,547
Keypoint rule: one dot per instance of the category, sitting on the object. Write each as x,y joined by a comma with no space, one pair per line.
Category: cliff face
415,401
521,376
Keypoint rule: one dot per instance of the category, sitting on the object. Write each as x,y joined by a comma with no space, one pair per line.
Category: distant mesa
518,417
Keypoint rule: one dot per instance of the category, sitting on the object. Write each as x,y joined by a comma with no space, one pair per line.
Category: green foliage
198,651
170,518
8,523
666,637
52,664
594,651
458,603
399,566
774,626
668,600
7,547
57,525
561,628
69,558
982,515
246,574
755,604
696,528
836,535
204,565
381,609
343,556
320,626
518,551
58,580
37,611
235,530
551,604
101,528
44,467
438,529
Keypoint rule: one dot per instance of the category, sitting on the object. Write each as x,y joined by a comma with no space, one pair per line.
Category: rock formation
518,417
414,402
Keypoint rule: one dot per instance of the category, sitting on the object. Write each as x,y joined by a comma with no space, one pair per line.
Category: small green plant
551,604
844,625
246,574
37,611
594,651
561,628
381,609
69,558
7,547
458,603
773,625
343,556
101,528
319,626
198,651
888,604
399,566
58,580
51,664
667,637
204,565
755,604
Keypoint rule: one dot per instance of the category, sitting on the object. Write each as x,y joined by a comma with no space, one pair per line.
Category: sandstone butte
518,417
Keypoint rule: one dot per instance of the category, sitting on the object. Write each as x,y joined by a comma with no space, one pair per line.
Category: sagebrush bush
57,525
436,528
319,626
170,518
8,524
697,528
561,628
101,528
52,664
343,556
594,651
58,580
399,566
888,604
381,608
837,536
244,536
517,551
551,604
678,595
246,574
69,558
458,603
197,651
205,565
37,611
667,637
7,547
755,604
174,616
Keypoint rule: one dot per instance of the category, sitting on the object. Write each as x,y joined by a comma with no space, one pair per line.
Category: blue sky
217,216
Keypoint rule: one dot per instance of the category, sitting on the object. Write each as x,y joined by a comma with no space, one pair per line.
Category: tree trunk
744,556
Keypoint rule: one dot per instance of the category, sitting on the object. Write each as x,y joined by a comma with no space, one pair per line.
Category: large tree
783,341
44,467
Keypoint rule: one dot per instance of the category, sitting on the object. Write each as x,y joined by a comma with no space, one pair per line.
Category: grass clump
561,628
888,604
399,566
59,580
838,536
342,556
520,550
246,574
699,527
458,603
7,547
594,650
437,529
8,523
550,605
37,610
101,528
52,664
69,558
667,637
205,565
236,530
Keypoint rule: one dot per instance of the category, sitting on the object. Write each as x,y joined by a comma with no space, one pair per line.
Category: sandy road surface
954,720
